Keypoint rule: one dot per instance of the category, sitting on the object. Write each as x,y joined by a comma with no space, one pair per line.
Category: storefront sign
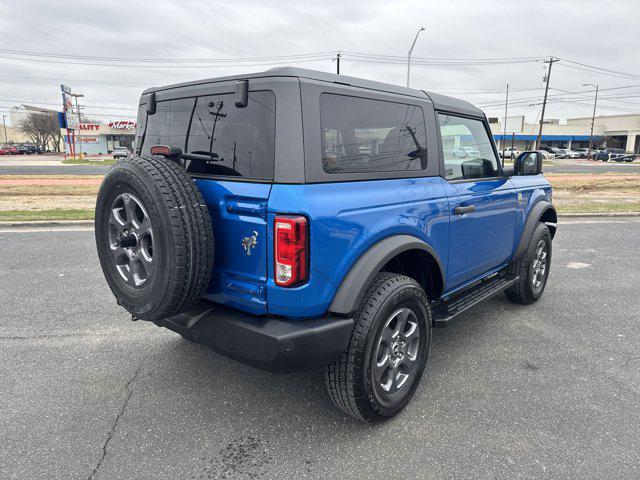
83,139
73,121
89,126
124,125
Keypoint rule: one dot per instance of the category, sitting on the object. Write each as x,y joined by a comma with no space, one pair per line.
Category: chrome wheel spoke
401,322
129,208
144,227
131,239
397,351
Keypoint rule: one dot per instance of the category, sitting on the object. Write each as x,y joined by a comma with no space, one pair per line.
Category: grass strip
52,214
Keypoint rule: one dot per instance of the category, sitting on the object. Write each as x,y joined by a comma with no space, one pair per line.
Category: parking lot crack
129,387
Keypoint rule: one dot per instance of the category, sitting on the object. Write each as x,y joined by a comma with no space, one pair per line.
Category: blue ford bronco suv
297,220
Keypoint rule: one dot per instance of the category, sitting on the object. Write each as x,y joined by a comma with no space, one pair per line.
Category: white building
615,131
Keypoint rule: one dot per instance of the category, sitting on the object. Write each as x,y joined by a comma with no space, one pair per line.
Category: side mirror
528,163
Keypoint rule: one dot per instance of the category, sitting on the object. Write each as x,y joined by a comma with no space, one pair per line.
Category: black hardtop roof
441,102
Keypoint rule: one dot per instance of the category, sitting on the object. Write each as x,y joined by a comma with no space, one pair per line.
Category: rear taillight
291,251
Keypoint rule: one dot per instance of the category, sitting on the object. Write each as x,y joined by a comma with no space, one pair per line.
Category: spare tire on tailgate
154,237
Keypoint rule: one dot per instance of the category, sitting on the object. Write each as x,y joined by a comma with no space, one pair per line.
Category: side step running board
444,312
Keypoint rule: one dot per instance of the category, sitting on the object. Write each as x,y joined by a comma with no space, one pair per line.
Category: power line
156,59
608,70
121,65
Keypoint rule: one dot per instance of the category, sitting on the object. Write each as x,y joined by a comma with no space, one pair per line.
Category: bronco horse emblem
249,242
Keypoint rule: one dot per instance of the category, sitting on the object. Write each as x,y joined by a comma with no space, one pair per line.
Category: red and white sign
124,125
89,126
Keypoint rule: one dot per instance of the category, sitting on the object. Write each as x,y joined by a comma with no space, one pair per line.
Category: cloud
586,31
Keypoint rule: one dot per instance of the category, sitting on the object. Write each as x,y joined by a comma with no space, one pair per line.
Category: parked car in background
561,153
120,152
556,152
607,154
12,150
28,149
571,153
4,151
547,156
509,152
583,152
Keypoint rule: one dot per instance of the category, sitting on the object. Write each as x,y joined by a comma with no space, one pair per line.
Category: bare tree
43,130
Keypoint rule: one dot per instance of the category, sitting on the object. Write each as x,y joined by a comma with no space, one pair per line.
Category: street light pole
593,117
409,55
504,132
4,125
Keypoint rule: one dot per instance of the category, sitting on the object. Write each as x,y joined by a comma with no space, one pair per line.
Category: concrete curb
44,224
599,214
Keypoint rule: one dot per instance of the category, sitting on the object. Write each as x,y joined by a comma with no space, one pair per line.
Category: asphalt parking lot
545,391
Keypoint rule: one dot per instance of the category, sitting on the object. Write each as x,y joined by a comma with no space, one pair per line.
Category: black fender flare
362,273
535,214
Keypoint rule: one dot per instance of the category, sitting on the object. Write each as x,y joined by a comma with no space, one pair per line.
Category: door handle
463,210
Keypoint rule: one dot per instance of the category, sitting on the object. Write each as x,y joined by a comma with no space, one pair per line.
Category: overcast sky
593,33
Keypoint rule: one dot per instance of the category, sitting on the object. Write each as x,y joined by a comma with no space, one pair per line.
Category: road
545,391
45,165
585,166
51,165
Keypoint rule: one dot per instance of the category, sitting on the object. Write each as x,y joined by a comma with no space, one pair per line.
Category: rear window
365,135
216,137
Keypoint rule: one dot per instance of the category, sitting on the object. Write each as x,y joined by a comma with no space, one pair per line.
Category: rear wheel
377,376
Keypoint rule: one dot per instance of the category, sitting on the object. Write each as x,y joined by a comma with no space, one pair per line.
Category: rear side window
169,125
216,137
365,135
228,140
466,148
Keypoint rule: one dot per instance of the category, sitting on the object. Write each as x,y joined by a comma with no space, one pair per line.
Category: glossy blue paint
532,189
348,218
481,240
238,209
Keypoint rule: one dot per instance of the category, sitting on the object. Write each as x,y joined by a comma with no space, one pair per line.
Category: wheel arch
403,254
542,211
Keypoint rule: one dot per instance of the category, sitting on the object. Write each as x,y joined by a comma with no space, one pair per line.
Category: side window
233,141
466,148
169,125
365,135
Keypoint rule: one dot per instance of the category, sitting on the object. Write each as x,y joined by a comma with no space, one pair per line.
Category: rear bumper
275,344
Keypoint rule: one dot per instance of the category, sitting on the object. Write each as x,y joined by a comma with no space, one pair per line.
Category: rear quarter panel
348,218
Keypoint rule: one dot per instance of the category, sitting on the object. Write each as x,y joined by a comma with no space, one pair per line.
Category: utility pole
76,96
337,59
593,117
551,61
409,55
504,132
4,125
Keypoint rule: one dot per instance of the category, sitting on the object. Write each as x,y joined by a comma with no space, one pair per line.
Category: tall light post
4,125
593,117
410,52
76,96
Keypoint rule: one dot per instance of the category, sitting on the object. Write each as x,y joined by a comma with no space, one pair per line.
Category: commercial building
614,131
95,138
621,131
